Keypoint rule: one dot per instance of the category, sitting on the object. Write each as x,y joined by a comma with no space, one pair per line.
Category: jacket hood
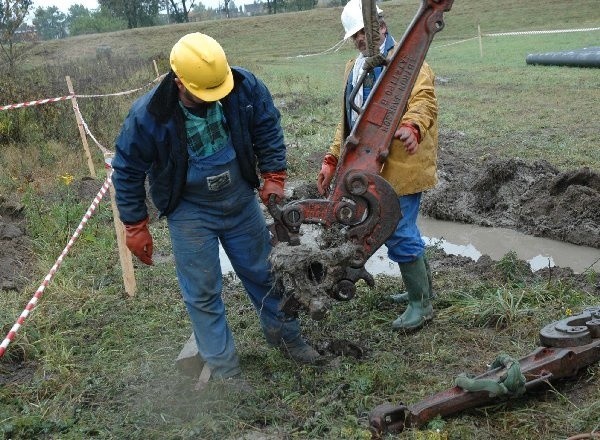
164,99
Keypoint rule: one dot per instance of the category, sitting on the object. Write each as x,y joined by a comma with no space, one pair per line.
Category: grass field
92,363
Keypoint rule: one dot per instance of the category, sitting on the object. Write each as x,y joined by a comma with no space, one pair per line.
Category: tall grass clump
498,308
38,139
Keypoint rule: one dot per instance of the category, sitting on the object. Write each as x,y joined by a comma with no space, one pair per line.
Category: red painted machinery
567,346
362,204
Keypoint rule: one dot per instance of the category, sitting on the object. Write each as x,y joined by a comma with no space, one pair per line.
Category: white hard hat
352,17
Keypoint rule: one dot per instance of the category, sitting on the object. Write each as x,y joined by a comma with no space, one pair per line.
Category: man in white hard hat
200,136
410,168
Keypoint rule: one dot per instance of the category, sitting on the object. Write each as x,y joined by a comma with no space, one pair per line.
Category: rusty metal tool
568,346
361,201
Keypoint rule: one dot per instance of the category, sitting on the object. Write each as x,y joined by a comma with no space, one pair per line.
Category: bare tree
138,13
180,10
274,6
12,15
225,8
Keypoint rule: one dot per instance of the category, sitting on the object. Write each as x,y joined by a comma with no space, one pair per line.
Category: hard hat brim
352,32
214,93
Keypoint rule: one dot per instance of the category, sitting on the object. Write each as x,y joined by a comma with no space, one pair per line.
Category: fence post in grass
480,42
86,147
125,256
155,68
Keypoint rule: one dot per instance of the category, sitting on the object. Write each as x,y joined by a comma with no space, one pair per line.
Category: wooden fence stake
86,148
125,256
480,42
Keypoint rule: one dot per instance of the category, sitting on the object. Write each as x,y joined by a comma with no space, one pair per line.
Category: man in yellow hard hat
200,136
410,168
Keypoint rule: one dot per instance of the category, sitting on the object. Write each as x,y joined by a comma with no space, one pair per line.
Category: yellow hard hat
201,65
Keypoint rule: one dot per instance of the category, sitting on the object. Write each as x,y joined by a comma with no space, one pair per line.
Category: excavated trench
502,195
473,193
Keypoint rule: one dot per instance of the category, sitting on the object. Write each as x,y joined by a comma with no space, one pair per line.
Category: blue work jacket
152,143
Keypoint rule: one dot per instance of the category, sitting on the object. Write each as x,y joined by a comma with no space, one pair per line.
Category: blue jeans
406,244
232,216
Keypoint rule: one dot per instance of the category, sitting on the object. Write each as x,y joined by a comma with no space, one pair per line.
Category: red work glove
274,183
410,135
139,241
326,174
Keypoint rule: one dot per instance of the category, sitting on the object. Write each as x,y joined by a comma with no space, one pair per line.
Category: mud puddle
474,241
482,205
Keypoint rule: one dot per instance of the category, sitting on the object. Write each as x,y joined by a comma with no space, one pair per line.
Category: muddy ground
531,197
16,256
534,198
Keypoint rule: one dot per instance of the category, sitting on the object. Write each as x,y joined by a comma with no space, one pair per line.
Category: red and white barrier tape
40,291
128,92
333,48
554,31
105,151
455,42
506,34
63,98
337,46
37,102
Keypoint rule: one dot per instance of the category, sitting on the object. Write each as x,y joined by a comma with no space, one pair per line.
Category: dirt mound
16,257
534,198
487,270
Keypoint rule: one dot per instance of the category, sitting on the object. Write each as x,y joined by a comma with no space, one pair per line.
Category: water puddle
474,241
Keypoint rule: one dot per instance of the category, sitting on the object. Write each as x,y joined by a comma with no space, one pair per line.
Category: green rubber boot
402,297
419,310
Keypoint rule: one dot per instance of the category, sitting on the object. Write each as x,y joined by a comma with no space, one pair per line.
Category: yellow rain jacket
407,173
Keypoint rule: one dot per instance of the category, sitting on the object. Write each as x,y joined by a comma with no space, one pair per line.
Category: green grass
92,363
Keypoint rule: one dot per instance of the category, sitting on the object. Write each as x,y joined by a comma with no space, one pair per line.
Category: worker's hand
274,183
139,241
410,136
326,174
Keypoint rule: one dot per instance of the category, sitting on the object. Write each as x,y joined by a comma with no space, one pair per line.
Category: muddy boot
300,351
402,297
419,310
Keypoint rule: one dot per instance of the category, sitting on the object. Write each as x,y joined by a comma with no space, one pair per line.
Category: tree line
113,15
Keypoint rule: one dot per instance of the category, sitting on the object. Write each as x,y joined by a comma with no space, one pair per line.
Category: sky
64,5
